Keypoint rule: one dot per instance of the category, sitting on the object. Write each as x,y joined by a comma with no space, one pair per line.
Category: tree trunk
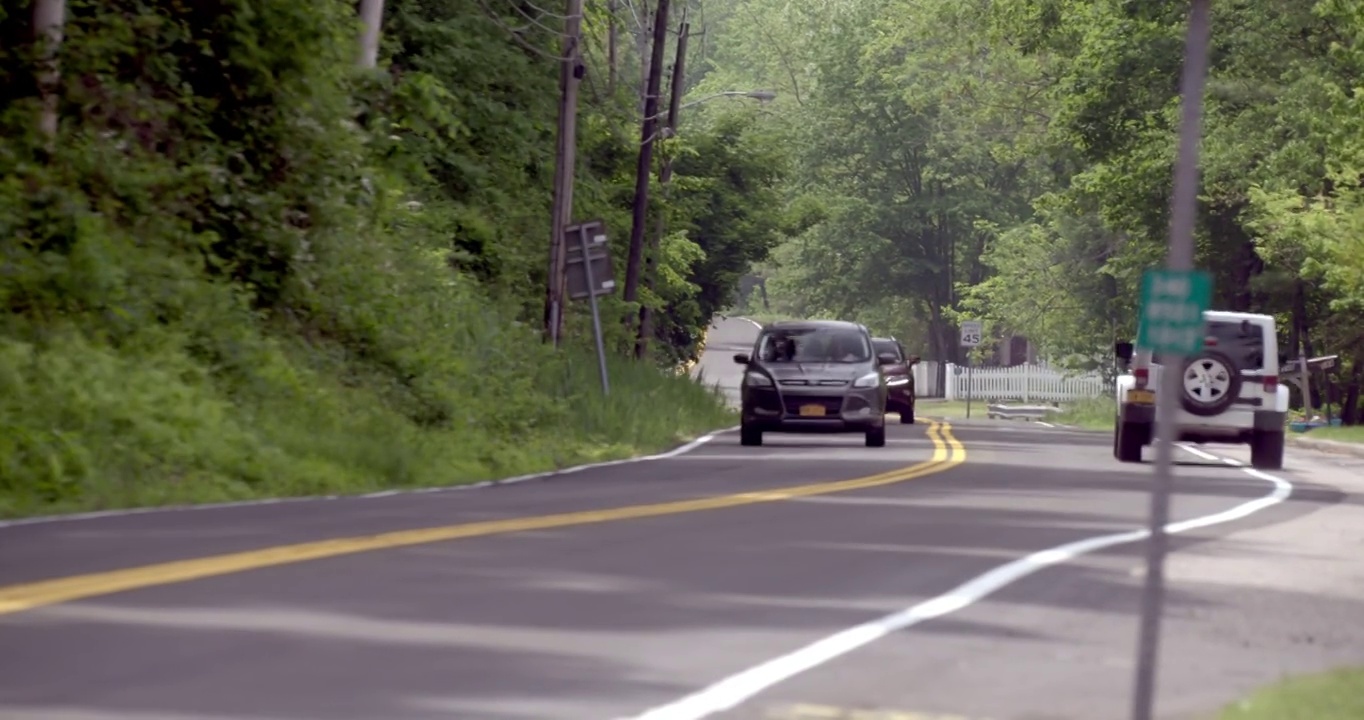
49,19
372,14
612,38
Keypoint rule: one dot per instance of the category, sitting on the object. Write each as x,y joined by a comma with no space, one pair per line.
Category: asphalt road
741,556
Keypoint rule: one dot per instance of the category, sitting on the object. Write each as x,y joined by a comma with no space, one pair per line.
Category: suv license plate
812,411
1141,397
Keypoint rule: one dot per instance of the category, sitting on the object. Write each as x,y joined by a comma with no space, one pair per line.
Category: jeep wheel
1210,383
1266,450
876,437
750,436
1128,440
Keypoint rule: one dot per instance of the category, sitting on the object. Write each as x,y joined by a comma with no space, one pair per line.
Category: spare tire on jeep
1209,384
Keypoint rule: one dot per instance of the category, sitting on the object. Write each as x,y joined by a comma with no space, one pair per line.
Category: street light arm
759,95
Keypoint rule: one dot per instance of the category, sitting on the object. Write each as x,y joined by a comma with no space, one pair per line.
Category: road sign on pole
971,333
971,336
1159,331
589,275
1172,305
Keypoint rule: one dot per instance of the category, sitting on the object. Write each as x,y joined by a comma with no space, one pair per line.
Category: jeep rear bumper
1265,421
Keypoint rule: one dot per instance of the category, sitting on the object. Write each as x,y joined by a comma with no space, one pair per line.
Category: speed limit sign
970,333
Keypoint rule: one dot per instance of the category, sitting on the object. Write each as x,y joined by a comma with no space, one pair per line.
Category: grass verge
1090,414
1337,695
1353,434
947,409
85,428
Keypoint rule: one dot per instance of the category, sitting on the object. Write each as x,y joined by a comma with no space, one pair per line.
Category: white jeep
1228,393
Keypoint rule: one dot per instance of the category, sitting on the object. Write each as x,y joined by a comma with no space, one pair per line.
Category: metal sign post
590,275
1172,309
971,336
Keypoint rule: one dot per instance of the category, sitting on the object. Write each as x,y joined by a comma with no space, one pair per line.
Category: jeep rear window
1244,343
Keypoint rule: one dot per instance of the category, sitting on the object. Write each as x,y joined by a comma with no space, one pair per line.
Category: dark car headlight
756,379
897,381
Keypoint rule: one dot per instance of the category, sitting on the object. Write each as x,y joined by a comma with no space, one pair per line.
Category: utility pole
1180,257
565,161
665,175
646,153
372,14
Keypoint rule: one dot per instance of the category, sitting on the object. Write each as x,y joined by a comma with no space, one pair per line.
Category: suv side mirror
741,359
888,358
914,360
1123,350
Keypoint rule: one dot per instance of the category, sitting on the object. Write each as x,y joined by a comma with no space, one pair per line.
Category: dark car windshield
813,345
887,346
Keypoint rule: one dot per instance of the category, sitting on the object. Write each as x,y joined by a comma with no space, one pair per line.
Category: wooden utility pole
565,160
665,175
372,14
49,19
646,153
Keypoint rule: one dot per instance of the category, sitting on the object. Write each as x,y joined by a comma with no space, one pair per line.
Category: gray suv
813,376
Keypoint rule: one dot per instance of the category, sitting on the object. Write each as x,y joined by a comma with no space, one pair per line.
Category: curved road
716,582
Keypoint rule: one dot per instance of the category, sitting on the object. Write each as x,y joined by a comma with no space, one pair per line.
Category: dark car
813,376
899,377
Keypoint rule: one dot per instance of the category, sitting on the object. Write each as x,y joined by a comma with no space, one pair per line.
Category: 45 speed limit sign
970,333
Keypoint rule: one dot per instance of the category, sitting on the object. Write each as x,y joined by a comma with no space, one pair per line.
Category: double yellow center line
948,452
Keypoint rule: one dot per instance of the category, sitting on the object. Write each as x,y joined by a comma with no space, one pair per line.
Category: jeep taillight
1142,375
1271,383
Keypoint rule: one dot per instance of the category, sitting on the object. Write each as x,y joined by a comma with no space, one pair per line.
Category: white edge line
756,324
546,475
730,692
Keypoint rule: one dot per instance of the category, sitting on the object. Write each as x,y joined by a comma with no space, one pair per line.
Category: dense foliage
245,266
1011,160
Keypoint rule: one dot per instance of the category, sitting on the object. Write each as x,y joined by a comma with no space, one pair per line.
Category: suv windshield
1244,343
813,345
887,346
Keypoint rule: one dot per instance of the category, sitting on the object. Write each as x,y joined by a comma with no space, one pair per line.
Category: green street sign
1172,305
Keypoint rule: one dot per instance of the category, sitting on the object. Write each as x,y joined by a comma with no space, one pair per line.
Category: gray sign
598,273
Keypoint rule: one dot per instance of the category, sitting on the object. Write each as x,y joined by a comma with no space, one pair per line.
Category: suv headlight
868,380
897,381
755,379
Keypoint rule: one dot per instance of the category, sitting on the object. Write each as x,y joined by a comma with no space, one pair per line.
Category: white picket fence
1023,383
926,380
